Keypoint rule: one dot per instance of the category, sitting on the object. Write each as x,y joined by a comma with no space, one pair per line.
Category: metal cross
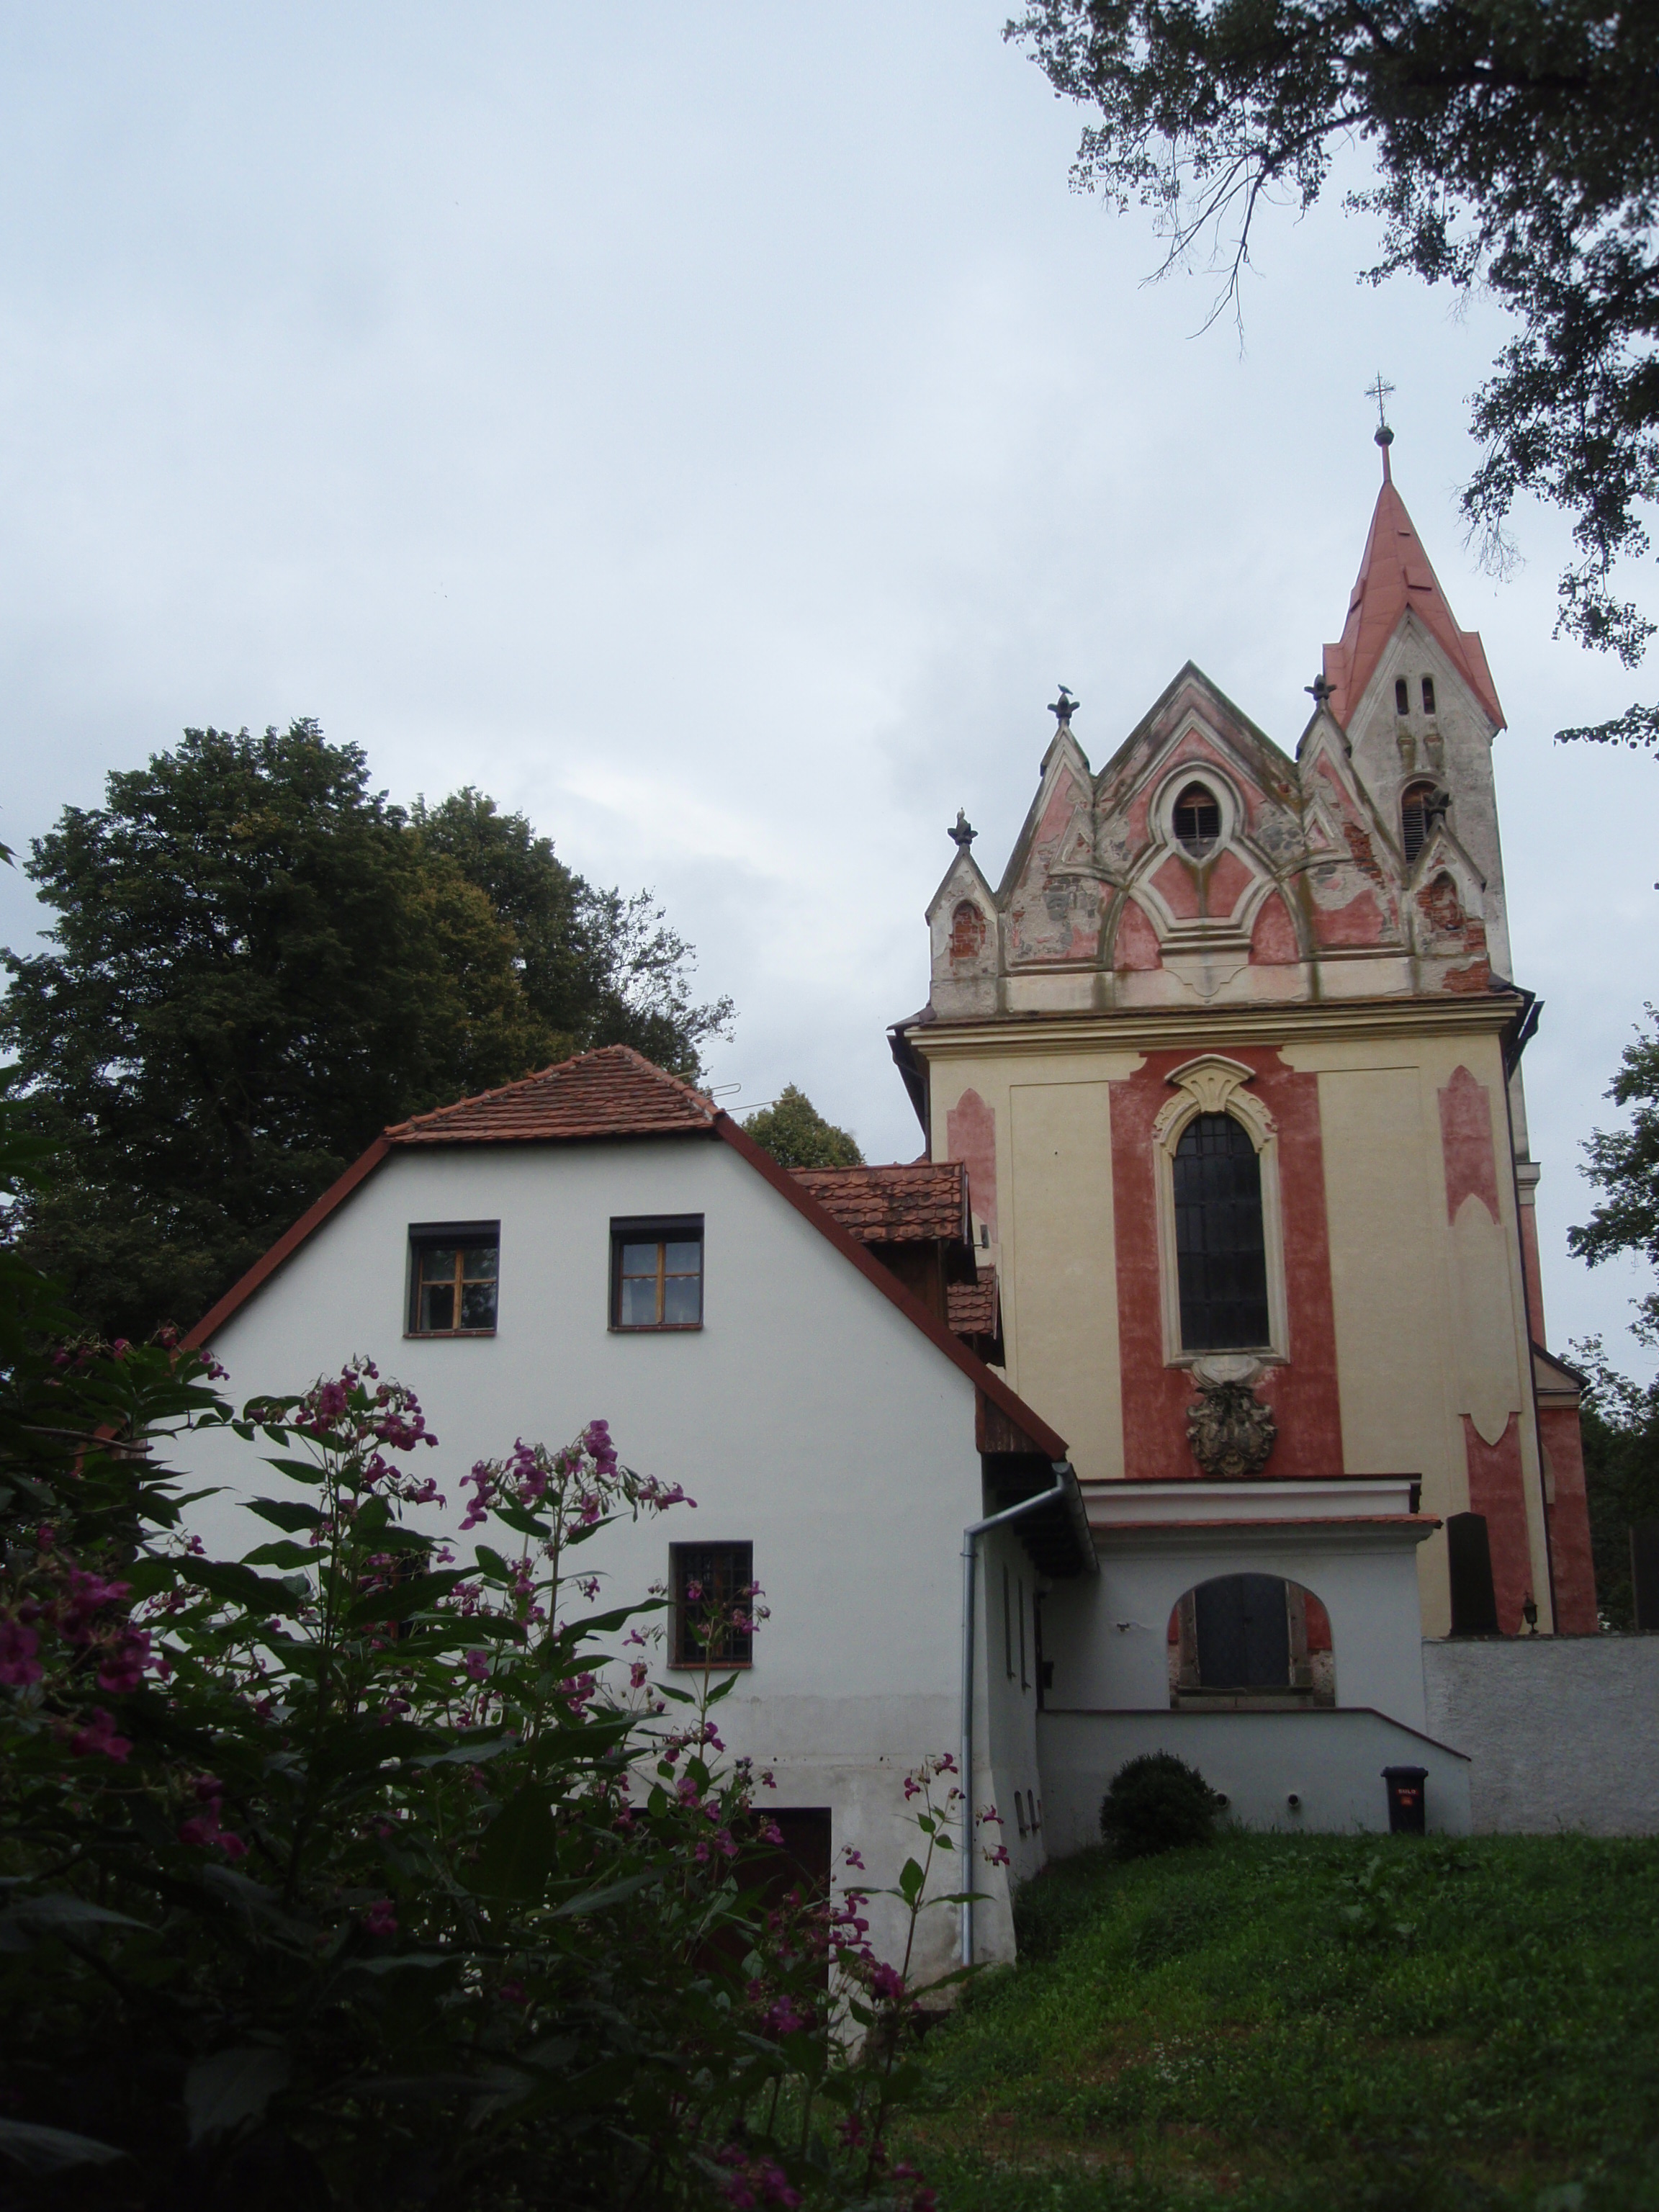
1379,392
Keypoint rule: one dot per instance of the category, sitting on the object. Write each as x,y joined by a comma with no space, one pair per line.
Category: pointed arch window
1421,806
1220,1246
1197,820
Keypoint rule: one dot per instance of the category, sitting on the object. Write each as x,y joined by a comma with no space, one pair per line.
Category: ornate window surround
1212,1084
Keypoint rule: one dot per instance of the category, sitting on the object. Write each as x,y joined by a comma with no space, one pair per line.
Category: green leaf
493,1563
520,1848
911,1877
289,1513
283,1553
419,1595
56,1909
302,1470
226,2091
49,2150
237,1585
596,1901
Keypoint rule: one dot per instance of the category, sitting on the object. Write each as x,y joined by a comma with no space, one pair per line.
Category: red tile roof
899,1204
612,1092
1395,575
973,1305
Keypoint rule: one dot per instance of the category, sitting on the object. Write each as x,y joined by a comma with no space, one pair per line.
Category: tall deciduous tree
598,967
257,963
1515,145
1624,1165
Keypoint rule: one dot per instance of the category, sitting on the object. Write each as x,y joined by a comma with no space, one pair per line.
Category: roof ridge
618,1055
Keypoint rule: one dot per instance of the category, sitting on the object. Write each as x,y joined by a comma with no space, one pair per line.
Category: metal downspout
970,1537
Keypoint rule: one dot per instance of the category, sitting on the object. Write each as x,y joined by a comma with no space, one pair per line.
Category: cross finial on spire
962,831
1380,392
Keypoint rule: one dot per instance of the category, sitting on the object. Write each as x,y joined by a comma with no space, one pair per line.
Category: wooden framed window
1220,1247
454,1271
1421,806
656,1273
708,1584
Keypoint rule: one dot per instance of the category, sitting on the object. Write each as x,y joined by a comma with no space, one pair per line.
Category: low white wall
1562,1732
1332,1760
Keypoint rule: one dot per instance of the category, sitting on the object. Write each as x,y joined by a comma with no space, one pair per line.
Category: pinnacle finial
1063,708
1320,689
1382,436
962,832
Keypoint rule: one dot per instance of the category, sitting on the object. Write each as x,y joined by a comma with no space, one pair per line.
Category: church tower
1232,1054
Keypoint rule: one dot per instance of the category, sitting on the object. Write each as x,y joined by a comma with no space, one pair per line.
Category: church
1189,1392
1233,1052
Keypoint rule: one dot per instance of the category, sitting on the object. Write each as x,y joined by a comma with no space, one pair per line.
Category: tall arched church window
1220,1251
1428,694
1197,820
1402,696
1418,813
967,931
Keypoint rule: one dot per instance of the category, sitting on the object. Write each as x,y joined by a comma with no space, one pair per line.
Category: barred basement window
709,1585
453,1271
1220,1250
1197,820
656,1273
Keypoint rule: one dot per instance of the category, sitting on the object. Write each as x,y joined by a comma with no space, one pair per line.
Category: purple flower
380,1920
476,1664
100,1736
18,1664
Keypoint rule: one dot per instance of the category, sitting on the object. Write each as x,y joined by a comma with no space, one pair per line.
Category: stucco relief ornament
1231,1432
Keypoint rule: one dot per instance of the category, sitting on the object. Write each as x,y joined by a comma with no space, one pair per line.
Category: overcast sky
715,430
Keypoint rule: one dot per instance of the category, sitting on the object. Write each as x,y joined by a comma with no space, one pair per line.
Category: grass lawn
1311,2024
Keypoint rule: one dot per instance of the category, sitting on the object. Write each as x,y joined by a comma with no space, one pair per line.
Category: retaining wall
1561,1731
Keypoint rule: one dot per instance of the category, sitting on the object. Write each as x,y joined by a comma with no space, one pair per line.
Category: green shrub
1156,1803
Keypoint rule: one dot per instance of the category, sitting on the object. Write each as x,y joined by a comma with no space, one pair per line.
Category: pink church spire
1394,577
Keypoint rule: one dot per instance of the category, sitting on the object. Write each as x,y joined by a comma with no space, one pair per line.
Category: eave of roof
909,1201
715,1124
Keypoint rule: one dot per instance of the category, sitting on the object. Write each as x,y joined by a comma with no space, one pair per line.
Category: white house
600,1241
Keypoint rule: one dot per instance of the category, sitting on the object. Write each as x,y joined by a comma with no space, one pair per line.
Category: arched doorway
1249,1638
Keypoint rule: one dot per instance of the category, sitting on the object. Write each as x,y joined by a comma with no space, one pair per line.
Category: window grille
1220,1253
710,1582
1197,820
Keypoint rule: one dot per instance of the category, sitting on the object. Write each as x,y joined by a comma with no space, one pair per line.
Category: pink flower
101,1737
18,1664
637,1674
852,1858
476,1664
124,1663
513,1993
888,1983
380,1920
998,1857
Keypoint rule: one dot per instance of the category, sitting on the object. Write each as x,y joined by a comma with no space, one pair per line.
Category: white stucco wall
1330,1761
808,1416
1108,1635
1562,1732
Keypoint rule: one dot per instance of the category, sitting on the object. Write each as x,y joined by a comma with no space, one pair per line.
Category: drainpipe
970,1537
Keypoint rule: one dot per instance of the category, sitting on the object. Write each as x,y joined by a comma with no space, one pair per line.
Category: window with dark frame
1007,1629
708,1583
1220,1249
1428,694
656,1273
454,1270
1024,1682
1402,696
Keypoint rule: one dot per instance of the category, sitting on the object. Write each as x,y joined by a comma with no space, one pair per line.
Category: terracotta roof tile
898,1205
1393,574
973,1305
612,1092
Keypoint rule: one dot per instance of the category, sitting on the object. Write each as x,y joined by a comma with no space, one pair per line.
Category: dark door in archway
1243,1633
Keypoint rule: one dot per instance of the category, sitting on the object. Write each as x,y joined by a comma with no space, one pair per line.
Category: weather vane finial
1382,391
